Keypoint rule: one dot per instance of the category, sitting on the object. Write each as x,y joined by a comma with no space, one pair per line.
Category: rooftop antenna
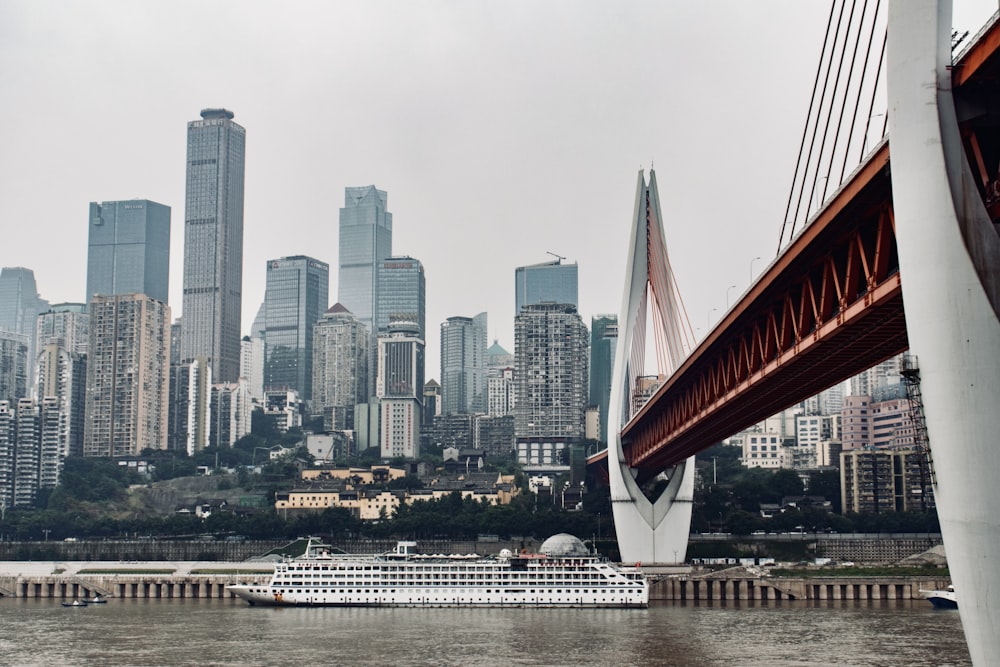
559,258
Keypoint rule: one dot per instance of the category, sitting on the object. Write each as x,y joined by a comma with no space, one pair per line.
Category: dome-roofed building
563,545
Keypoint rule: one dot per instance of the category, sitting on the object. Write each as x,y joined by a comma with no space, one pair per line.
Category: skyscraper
340,367
550,351
399,389
127,375
365,240
463,365
189,407
548,282
19,308
603,341
128,248
295,298
213,243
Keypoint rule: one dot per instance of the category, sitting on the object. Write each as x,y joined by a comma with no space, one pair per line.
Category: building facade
553,282
128,249
20,306
399,390
213,243
603,342
62,377
340,367
31,457
13,366
463,365
551,370
127,375
885,481
231,409
189,411
295,298
66,324
365,240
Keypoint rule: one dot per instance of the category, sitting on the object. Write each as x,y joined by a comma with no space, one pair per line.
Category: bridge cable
805,133
861,86
871,106
829,115
847,87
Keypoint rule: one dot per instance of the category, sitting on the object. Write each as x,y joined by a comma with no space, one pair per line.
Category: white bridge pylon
648,531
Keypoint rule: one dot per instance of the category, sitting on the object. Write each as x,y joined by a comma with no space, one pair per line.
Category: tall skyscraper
127,375
551,355
603,341
128,249
295,298
400,388
400,294
463,365
548,282
19,308
340,367
365,240
213,243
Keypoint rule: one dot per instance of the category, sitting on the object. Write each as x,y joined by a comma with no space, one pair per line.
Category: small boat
944,599
75,603
97,599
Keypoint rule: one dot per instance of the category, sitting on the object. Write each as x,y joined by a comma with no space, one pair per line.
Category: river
228,632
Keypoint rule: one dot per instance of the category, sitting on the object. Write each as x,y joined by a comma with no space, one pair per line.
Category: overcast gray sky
501,131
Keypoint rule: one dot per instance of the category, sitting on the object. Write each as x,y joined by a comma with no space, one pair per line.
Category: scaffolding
910,373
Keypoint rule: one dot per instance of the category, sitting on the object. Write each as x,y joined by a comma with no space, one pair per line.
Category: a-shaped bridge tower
649,531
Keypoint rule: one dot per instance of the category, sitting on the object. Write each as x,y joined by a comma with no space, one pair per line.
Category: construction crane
559,258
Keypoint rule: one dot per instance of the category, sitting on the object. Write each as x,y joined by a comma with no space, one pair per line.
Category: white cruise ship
563,574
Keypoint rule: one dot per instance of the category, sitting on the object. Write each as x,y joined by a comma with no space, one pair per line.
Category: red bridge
828,308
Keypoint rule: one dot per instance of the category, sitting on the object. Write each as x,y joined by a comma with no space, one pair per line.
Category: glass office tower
549,282
365,240
128,248
294,300
213,243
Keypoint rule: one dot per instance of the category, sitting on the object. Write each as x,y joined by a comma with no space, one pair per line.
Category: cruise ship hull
264,595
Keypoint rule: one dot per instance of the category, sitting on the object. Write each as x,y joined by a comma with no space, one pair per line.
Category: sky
502,132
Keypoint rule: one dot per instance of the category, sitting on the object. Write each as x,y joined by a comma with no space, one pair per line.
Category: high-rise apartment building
62,377
501,391
463,365
548,282
551,356
252,365
603,342
65,324
231,410
885,480
128,249
30,456
365,240
399,389
127,375
295,298
20,305
869,382
340,367
213,243
189,407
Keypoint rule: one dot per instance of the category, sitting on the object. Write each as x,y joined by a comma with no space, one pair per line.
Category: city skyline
496,108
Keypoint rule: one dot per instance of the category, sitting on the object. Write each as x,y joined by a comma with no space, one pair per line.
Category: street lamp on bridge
731,287
751,268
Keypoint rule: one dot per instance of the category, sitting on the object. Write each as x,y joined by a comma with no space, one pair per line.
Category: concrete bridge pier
949,253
